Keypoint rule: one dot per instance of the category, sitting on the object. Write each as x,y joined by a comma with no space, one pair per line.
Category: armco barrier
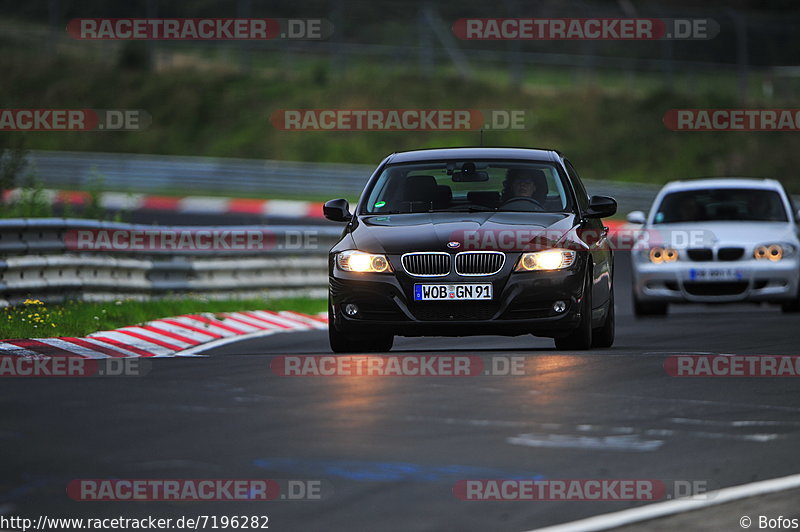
156,173
35,262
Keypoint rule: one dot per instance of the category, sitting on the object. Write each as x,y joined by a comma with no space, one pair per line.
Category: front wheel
581,336
604,336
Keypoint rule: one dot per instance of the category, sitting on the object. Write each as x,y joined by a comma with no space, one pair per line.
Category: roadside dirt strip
167,337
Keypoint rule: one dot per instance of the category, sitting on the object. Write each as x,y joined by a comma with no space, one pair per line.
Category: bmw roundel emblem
454,244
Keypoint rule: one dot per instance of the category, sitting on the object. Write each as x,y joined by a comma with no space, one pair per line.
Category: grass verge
34,319
609,133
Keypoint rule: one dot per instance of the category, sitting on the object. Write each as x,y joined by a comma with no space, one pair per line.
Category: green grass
36,320
612,129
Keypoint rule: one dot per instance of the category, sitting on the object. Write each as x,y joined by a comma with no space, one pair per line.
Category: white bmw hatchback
717,241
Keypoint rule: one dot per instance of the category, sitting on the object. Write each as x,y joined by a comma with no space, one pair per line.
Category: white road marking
203,204
738,423
570,441
289,208
182,331
156,336
676,506
75,349
121,201
195,351
12,349
203,325
135,342
115,347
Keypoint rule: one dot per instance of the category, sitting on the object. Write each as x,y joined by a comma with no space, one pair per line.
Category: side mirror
337,210
637,217
601,207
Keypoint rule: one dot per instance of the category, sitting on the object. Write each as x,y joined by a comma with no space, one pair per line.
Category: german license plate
452,292
715,274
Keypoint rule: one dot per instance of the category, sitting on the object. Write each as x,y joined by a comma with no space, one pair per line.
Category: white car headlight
551,259
360,262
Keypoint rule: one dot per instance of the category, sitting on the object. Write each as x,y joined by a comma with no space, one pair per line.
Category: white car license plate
715,274
452,292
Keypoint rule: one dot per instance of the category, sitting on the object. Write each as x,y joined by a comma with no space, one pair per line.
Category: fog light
351,309
559,306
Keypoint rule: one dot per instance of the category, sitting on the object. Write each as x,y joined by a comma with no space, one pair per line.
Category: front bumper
522,303
755,281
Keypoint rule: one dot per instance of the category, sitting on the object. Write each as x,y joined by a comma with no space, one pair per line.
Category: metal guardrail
36,261
156,173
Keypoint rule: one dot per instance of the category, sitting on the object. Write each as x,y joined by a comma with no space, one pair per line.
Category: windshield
742,204
465,186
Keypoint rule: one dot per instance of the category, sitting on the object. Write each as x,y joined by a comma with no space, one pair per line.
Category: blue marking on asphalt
387,471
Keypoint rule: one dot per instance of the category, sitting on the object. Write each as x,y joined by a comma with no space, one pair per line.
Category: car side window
580,191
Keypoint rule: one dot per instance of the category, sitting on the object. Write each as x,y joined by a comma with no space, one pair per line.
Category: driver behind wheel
525,183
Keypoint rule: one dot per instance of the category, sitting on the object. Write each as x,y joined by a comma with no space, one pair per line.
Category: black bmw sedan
470,241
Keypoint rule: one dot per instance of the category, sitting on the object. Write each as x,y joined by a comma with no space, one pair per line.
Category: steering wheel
524,198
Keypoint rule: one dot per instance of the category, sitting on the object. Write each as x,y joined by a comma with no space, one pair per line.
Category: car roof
723,182
438,154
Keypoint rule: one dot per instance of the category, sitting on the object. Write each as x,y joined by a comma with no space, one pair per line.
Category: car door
599,245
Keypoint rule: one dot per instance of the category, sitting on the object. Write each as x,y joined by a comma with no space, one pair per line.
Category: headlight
773,252
360,262
659,255
552,259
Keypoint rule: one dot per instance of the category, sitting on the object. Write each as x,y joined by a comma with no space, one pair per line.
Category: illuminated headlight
360,262
659,255
552,259
773,252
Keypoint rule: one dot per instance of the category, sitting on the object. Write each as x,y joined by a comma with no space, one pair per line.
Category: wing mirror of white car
637,217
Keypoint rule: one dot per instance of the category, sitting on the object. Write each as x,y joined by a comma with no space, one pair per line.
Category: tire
350,343
604,336
650,308
581,336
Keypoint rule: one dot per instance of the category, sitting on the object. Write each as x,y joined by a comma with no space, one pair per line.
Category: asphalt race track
389,450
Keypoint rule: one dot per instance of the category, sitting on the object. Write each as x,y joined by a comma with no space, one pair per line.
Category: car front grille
700,254
730,253
426,264
731,288
707,254
479,262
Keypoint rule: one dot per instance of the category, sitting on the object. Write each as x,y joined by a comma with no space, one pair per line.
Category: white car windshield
721,204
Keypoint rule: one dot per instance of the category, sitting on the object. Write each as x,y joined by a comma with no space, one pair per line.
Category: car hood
401,233
721,234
